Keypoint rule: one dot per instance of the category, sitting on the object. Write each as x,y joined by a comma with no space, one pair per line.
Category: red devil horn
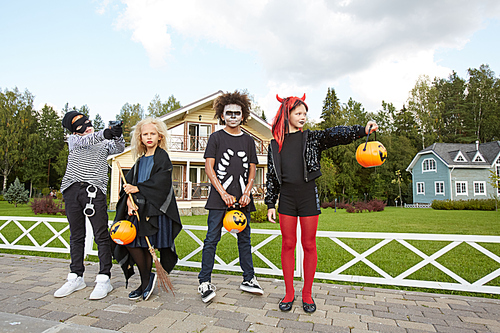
303,98
279,98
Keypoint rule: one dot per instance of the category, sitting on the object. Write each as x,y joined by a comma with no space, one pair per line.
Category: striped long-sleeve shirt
87,159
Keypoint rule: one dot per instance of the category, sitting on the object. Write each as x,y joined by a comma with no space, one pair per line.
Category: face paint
232,115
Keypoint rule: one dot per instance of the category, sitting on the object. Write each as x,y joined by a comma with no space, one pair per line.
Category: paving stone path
27,285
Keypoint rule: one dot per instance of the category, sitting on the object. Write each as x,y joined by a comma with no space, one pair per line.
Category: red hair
280,121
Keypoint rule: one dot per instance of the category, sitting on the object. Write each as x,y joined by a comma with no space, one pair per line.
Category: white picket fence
337,239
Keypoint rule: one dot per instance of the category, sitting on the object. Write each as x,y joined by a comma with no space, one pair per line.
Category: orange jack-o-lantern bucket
235,221
123,232
371,154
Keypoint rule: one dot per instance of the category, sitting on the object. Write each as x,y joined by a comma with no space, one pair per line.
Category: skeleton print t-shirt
233,155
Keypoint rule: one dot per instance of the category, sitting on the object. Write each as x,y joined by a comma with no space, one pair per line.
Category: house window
177,182
429,165
479,188
461,188
198,136
478,158
460,157
439,188
420,188
199,182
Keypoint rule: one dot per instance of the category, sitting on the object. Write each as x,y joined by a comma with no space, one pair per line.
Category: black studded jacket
314,143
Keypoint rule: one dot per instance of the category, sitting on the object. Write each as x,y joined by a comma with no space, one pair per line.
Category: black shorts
299,200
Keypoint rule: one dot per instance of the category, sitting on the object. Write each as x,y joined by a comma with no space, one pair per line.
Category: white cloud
381,46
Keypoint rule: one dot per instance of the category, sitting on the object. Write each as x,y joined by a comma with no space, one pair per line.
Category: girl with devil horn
293,165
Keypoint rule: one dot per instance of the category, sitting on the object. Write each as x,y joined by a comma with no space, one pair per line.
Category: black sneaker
252,286
207,291
136,294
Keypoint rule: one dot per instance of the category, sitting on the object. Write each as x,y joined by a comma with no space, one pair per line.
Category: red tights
308,227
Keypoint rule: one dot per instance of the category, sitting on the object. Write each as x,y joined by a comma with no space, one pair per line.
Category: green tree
48,141
156,108
130,115
331,114
17,193
422,103
482,104
494,181
98,123
327,182
16,129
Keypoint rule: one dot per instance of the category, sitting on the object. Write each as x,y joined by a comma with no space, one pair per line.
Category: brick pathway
27,305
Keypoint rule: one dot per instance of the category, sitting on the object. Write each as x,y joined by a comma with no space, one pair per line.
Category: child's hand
131,207
271,215
229,200
130,188
374,127
244,200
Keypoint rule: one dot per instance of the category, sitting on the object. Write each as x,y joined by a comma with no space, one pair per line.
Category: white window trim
459,154
435,190
478,155
484,188
423,188
430,170
466,188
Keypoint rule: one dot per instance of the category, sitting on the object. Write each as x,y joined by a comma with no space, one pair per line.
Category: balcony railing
199,143
200,191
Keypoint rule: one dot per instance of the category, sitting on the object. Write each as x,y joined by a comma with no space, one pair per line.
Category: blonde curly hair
138,148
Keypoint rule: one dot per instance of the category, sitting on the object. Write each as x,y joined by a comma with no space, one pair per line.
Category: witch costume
158,212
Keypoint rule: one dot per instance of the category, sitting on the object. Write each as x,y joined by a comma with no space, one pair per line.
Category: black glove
116,131
108,134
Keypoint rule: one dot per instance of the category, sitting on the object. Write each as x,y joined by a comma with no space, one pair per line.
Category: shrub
370,206
47,205
260,215
472,204
16,193
376,205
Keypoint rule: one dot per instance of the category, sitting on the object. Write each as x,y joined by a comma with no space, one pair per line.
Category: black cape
155,197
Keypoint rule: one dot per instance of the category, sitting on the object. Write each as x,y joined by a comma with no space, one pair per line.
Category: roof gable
459,157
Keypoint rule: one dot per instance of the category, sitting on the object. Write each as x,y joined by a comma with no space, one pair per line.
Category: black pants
76,198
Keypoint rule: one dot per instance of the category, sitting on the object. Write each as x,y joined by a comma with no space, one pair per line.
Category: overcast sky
107,53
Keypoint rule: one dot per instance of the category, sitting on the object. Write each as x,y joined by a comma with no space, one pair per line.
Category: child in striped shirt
84,188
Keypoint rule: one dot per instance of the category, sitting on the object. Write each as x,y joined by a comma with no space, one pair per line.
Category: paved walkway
27,305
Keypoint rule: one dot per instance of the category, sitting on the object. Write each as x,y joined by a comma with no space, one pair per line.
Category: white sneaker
74,283
102,287
207,291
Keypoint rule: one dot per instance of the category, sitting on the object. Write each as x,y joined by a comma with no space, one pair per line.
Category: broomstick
163,277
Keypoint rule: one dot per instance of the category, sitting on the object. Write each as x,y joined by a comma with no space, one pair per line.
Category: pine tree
16,193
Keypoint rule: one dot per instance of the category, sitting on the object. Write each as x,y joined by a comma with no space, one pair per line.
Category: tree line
452,110
32,142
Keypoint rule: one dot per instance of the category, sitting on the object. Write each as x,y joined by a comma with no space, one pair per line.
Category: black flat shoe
151,286
286,306
136,294
309,308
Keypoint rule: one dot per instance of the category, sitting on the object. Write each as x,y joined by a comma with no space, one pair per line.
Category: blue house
454,171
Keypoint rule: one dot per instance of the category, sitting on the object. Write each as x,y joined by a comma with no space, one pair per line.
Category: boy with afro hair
230,164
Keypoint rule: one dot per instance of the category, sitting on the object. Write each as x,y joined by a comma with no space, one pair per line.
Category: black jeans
76,198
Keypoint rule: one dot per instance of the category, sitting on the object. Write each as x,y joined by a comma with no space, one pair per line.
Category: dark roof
448,152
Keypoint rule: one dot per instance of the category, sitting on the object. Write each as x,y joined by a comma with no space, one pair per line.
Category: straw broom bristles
163,277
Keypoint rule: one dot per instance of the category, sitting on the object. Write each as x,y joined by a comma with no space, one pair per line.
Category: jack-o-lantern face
371,154
234,221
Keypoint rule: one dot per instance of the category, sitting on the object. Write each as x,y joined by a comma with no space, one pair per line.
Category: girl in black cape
150,183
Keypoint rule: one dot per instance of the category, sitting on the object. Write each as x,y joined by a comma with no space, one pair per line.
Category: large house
189,128
454,171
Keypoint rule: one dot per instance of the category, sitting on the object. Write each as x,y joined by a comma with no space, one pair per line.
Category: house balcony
199,143
187,191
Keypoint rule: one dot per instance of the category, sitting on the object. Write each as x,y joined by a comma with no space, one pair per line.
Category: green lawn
393,258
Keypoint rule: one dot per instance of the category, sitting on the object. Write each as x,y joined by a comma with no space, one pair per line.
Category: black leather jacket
314,143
